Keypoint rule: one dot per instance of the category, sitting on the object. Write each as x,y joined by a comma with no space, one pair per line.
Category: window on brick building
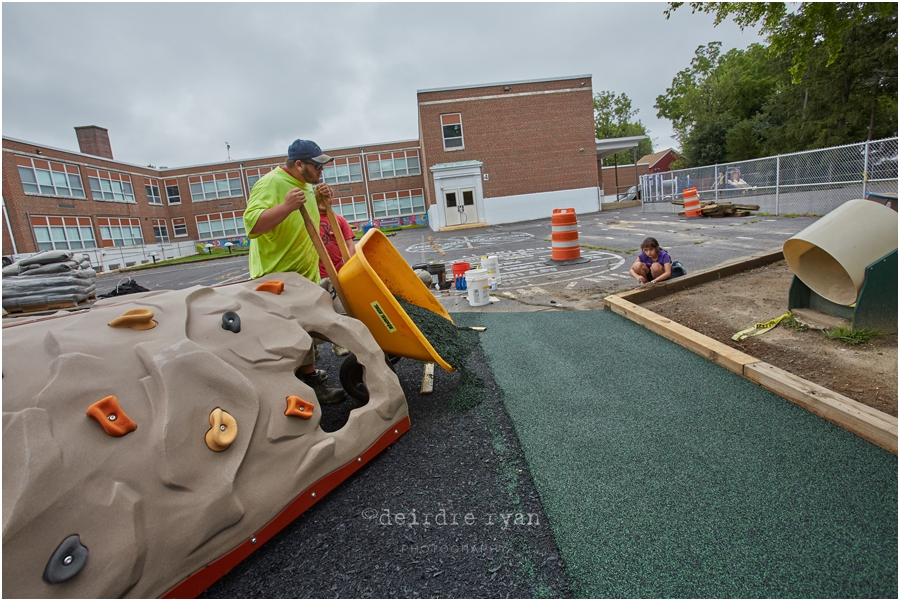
451,127
63,233
108,185
179,227
151,187
393,164
398,204
254,175
212,186
220,225
160,231
173,194
343,171
353,208
49,178
116,231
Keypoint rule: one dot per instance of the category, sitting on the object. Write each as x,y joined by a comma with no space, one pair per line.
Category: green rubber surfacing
665,475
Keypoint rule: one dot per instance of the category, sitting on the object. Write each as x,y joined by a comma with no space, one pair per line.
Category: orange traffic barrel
565,235
565,247
691,203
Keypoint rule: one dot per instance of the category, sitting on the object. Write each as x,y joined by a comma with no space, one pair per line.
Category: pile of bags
52,277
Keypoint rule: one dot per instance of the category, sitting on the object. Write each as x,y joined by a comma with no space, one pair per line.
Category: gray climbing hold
66,561
231,321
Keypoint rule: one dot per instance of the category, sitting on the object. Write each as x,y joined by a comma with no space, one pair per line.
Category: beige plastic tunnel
831,255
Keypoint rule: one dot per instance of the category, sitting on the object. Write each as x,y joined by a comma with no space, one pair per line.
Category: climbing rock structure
147,460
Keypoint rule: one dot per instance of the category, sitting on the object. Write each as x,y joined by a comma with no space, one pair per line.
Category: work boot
325,395
339,350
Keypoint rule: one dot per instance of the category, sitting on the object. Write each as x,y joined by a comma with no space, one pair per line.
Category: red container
461,268
459,274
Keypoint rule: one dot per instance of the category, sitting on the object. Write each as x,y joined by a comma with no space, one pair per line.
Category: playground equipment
167,433
845,265
149,441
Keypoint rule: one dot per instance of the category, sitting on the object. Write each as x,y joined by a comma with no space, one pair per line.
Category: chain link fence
813,182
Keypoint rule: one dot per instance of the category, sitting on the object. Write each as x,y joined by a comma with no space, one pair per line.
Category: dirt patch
866,373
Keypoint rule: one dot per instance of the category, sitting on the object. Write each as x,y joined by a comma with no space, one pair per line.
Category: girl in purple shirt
653,264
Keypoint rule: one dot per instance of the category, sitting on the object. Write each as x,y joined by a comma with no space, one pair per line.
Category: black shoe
325,395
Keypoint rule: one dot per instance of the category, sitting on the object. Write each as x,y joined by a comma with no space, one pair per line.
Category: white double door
459,206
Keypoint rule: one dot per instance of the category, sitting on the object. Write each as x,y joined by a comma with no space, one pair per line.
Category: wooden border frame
873,425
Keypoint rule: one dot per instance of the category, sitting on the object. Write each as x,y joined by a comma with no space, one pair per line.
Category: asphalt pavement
610,238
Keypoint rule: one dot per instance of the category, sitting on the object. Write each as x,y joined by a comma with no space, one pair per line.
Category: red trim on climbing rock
205,577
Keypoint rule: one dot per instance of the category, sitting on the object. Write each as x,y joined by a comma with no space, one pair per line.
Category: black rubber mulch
462,466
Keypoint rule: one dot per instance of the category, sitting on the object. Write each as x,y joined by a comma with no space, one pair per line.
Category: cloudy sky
174,82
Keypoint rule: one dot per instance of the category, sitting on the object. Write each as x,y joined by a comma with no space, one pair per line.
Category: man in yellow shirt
279,241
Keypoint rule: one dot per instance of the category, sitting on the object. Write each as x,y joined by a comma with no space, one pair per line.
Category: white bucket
492,266
478,286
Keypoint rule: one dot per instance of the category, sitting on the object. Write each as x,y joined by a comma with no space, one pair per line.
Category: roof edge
502,83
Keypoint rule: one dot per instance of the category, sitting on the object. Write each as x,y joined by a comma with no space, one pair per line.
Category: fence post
777,181
865,178
716,183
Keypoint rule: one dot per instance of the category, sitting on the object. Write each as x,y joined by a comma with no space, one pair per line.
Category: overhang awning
611,146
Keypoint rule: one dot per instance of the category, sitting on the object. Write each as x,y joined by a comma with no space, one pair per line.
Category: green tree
747,103
613,119
797,33
716,94
849,100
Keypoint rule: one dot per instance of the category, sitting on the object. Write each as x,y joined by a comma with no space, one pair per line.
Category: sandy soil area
866,373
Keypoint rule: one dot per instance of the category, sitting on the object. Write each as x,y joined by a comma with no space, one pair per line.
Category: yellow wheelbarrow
368,286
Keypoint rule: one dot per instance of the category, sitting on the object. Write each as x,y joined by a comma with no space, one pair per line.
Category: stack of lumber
721,209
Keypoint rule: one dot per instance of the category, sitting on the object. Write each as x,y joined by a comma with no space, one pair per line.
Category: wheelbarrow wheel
351,375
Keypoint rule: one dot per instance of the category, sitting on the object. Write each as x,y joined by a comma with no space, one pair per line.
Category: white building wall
525,207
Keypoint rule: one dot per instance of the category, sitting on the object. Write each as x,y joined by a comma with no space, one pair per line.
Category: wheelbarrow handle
313,230
338,235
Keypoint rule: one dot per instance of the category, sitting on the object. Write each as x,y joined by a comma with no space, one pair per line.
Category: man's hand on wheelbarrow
323,194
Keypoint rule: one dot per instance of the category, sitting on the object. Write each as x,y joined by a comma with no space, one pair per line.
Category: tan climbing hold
136,319
111,418
297,407
222,431
273,286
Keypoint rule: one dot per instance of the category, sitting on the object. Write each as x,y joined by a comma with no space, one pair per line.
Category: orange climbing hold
136,319
111,418
222,431
297,407
273,286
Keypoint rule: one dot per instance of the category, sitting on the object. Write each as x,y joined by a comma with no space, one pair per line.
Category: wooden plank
648,293
717,352
427,379
312,229
873,425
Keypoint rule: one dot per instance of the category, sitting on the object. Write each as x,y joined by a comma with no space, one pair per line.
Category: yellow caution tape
762,328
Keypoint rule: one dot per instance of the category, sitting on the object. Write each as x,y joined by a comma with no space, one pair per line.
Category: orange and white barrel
565,235
691,203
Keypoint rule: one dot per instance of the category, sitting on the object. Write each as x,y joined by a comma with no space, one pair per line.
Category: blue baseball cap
307,150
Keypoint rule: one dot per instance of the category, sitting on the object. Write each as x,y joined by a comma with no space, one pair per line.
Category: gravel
470,521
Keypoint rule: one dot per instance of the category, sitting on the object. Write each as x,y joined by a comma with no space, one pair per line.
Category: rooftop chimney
94,140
